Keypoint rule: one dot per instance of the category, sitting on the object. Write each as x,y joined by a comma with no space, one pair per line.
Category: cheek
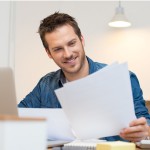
57,57
78,48
81,49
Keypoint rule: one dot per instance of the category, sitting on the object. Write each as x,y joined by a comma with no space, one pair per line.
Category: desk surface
136,149
61,143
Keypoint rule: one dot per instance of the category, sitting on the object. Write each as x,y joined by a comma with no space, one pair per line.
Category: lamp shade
119,19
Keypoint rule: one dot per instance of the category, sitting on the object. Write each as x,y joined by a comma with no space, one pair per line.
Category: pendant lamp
119,19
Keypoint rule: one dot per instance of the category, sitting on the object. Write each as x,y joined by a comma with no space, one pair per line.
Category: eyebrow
72,40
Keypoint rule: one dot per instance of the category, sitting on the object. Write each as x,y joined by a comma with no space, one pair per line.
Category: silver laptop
8,103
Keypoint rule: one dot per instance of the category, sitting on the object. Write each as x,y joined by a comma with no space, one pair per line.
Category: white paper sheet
58,127
99,105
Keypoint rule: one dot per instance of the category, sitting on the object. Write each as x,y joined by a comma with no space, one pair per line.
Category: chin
71,71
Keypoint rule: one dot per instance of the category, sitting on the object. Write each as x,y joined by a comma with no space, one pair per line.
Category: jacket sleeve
33,99
139,102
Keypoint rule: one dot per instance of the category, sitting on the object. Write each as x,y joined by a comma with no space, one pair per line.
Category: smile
71,61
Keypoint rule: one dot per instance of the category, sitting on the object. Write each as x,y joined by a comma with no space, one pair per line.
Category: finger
135,135
132,138
139,121
139,128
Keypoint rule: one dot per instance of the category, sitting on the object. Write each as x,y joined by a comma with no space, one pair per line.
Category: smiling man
66,49
64,43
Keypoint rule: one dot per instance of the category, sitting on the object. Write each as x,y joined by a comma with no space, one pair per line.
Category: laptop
8,101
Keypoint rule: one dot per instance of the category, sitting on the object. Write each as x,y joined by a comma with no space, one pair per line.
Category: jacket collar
92,66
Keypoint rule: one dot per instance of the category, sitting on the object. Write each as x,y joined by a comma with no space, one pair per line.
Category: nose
67,53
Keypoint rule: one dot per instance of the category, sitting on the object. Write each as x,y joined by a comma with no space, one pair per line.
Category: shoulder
51,77
133,77
134,82
132,74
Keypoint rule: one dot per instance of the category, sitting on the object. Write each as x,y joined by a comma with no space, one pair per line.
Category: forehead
62,32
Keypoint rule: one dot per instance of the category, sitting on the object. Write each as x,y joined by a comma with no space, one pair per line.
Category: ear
82,40
48,53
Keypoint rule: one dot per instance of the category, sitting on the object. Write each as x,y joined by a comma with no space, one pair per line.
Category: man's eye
72,43
57,49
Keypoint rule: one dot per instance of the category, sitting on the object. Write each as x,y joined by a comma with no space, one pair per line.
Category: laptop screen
8,103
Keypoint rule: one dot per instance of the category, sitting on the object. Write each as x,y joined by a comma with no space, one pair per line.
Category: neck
83,72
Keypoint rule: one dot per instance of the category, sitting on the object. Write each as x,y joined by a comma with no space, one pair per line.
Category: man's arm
138,129
139,102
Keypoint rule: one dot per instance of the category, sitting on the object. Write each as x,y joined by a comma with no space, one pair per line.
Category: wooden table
136,149
55,144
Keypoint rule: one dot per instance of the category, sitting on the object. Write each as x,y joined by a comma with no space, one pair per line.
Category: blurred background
22,49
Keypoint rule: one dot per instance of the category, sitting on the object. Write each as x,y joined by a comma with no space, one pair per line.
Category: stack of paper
100,104
58,127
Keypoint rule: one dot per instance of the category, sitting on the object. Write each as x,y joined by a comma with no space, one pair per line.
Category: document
58,127
100,104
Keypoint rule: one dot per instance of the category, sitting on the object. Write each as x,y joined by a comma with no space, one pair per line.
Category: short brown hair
50,23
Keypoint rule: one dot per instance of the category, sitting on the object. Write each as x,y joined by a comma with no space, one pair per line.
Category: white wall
4,33
7,20
103,43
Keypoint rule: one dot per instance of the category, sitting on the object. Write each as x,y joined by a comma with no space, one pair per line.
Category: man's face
66,49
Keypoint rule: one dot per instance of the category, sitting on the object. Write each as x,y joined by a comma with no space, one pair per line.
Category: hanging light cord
119,3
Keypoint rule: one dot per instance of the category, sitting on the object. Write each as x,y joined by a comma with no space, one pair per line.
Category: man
64,44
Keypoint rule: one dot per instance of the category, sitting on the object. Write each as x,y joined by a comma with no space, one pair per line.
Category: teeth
71,60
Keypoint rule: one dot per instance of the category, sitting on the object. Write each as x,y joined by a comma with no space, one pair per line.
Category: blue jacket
43,95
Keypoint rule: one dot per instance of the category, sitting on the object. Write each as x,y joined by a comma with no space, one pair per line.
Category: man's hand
137,130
